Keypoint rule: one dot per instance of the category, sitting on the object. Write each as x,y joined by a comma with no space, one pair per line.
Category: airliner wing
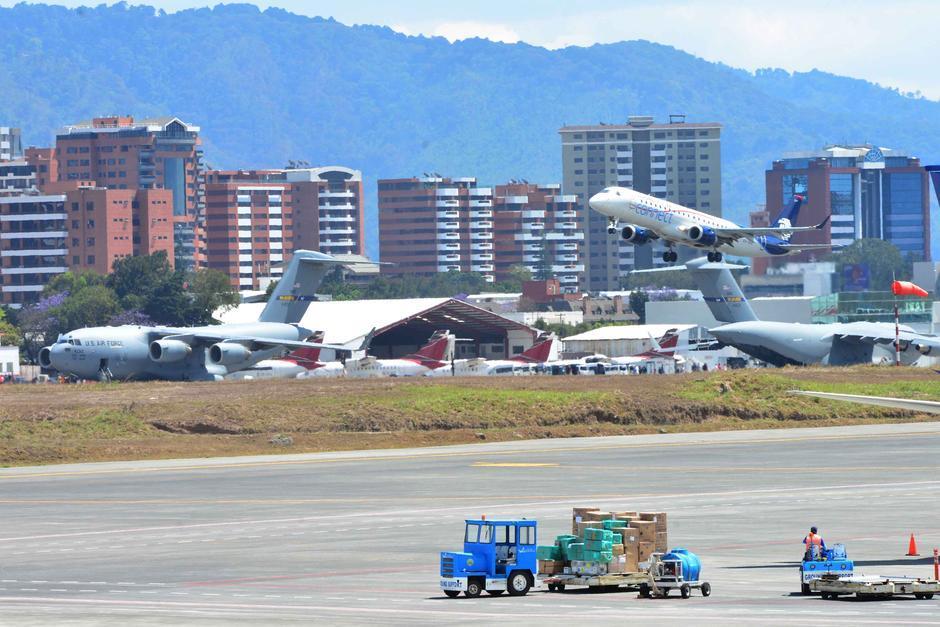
754,231
807,246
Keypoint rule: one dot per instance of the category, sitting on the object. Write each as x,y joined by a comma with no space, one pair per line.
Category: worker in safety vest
814,544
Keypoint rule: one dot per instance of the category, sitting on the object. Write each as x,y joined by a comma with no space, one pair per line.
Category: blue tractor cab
817,563
498,556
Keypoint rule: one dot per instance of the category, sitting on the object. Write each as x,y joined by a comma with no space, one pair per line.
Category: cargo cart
597,583
873,586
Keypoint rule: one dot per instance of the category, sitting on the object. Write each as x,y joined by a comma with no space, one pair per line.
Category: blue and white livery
646,218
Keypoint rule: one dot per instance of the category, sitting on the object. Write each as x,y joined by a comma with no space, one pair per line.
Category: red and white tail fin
540,352
665,347
440,348
309,358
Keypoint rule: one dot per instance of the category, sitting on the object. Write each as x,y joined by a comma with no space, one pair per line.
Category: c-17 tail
721,292
295,290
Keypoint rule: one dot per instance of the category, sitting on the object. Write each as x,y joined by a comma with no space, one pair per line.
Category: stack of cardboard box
603,542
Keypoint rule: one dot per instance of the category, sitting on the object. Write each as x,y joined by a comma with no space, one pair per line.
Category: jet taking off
648,218
792,343
197,353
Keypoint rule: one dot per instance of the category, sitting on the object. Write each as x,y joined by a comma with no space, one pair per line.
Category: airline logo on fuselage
658,215
292,298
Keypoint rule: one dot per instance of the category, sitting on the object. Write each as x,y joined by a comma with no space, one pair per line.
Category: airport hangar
403,325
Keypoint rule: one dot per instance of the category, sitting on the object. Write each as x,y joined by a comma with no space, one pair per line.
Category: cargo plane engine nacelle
169,351
228,354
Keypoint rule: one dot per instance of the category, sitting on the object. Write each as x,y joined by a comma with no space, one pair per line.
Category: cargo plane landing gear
715,256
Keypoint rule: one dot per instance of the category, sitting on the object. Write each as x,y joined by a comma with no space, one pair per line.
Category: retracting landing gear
611,227
670,256
715,256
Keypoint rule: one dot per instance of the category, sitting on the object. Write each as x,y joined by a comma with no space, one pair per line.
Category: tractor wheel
685,591
644,591
518,584
706,589
474,588
452,593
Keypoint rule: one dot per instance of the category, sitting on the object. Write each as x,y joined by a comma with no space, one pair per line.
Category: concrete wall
9,360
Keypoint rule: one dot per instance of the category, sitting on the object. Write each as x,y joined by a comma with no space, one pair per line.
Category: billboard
855,277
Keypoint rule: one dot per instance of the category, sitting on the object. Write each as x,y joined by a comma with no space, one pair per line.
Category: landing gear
715,256
670,256
611,227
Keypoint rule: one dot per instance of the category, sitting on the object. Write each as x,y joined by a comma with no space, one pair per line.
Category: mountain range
270,86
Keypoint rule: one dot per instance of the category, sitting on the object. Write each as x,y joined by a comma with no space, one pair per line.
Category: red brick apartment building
436,224
255,219
121,153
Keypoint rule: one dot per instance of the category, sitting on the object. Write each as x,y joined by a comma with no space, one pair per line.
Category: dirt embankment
53,423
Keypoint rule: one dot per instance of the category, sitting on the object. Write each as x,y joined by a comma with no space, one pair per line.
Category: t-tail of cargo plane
296,289
720,291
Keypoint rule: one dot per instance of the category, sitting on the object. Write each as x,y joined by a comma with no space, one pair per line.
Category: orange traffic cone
912,548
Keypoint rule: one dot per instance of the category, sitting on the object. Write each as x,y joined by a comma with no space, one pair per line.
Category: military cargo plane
134,352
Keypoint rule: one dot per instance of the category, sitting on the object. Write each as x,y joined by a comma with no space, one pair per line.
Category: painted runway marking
513,465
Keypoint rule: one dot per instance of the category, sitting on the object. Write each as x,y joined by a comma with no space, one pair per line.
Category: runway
354,537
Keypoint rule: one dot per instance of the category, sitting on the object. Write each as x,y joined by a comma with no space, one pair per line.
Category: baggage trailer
597,583
873,587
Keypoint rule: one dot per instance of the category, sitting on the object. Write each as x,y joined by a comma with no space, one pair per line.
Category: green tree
210,290
884,261
137,279
73,282
9,334
91,306
516,276
638,300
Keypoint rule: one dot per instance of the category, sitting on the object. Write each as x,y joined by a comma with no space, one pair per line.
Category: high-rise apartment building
33,246
17,178
11,145
77,226
934,171
160,153
255,219
678,161
45,165
869,192
436,224
105,225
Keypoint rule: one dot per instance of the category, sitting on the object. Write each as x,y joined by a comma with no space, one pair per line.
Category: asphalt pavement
354,537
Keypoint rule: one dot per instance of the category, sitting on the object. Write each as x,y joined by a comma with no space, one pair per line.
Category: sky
890,42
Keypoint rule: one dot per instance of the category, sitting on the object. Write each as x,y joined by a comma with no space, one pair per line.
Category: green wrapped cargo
604,535
575,551
549,553
598,556
618,538
597,545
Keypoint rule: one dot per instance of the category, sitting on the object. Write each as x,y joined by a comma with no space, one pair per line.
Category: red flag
906,288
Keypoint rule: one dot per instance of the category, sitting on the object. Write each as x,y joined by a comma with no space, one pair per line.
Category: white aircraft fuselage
661,219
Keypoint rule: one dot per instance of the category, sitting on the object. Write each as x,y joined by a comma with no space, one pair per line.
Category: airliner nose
600,202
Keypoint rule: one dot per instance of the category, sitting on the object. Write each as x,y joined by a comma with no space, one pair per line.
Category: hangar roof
629,332
348,321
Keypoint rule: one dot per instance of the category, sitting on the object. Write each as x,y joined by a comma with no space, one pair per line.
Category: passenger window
526,535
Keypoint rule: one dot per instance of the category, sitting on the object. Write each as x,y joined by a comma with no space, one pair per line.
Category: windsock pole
897,336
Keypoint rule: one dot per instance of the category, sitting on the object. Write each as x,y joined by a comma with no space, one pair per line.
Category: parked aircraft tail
788,216
541,351
308,358
721,292
439,348
295,291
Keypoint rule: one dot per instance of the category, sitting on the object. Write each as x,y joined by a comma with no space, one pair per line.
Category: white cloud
456,31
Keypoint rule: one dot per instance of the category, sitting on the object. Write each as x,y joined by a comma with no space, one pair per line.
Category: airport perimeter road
354,537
